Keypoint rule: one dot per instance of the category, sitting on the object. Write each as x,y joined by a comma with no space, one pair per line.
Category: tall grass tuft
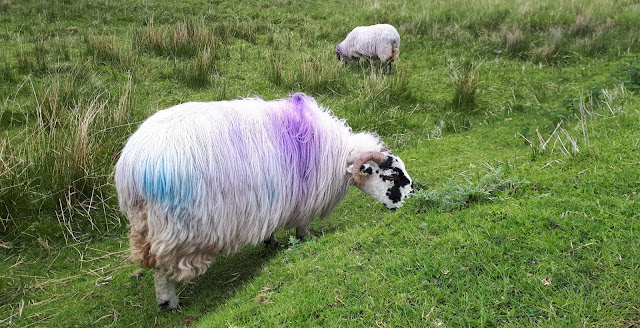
7,74
464,81
197,73
67,155
316,73
599,41
379,88
34,61
583,26
553,49
515,41
275,70
104,49
184,40
61,49
54,101
72,148
247,30
14,183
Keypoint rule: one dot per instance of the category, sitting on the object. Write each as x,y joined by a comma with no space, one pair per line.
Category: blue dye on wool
163,183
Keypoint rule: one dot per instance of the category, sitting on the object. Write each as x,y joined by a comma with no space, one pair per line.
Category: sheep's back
366,39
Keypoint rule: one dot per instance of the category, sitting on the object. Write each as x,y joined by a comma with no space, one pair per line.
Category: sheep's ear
350,169
362,168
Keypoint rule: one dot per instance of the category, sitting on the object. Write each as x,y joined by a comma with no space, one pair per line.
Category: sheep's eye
390,178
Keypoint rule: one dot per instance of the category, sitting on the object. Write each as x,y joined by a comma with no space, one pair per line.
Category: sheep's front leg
389,68
272,242
302,232
370,60
165,290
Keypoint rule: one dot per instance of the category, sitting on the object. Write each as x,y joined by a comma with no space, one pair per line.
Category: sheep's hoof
271,243
302,234
169,305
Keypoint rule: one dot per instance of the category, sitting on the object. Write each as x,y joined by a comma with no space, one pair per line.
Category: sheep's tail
395,51
140,245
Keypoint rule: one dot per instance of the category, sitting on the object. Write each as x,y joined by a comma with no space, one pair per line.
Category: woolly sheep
380,41
203,178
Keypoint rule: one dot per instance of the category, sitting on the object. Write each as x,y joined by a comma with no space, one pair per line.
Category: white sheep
380,41
203,178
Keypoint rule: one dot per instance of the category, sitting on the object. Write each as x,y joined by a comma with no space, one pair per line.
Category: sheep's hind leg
389,68
165,290
302,232
272,242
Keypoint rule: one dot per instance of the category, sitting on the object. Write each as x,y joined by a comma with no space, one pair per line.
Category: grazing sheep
380,41
203,178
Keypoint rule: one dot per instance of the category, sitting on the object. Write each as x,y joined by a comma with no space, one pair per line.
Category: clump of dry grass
599,40
102,47
54,102
552,49
515,42
66,156
573,134
583,26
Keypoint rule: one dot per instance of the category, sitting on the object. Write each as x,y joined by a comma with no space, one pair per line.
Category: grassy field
517,121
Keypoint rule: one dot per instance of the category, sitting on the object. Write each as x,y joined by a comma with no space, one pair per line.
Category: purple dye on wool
293,126
339,48
237,136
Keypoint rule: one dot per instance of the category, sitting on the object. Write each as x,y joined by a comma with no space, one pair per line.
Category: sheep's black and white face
388,182
341,57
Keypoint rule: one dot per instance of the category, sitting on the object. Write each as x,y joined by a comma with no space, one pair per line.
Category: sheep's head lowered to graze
382,176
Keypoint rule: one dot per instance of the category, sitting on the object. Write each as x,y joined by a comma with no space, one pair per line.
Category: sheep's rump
214,177
380,41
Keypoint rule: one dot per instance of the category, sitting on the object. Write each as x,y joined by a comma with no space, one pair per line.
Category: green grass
517,120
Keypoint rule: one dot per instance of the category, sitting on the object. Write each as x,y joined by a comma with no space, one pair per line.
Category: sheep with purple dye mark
203,178
380,41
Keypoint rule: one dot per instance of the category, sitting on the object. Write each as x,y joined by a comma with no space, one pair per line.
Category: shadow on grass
227,274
